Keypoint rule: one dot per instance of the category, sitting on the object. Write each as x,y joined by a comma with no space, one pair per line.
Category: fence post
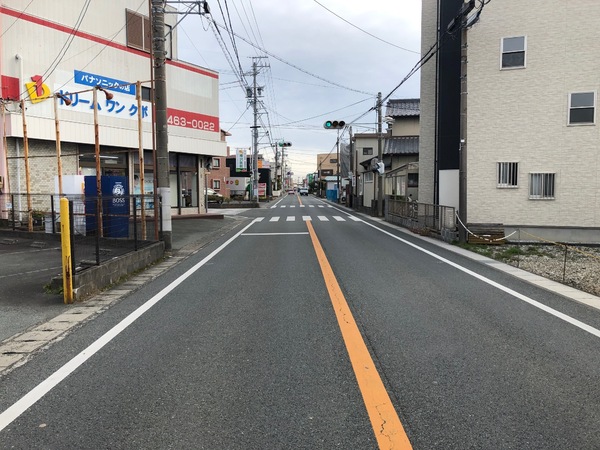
12,210
52,215
135,240
565,264
71,236
98,230
65,234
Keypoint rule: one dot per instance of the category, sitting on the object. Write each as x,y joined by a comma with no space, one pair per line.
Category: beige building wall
428,94
521,115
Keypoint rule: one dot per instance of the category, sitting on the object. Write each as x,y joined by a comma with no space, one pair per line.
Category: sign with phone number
186,119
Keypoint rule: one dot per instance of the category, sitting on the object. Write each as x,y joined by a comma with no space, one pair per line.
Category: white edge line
274,234
552,311
29,399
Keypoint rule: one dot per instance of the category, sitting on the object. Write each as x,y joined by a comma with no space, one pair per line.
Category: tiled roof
401,145
403,107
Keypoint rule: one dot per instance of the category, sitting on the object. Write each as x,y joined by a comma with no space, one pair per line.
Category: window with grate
508,174
541,186
368,151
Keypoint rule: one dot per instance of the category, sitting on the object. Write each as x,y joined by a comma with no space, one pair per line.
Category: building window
413,180
216,163
582,108
513,52
333,161
138,31
541,186
216,184
368,151
508,174
368,177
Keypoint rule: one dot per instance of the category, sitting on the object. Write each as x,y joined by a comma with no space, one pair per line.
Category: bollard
65,239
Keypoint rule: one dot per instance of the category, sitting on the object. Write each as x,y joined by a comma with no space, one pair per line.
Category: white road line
29,399
292,206
274,219
323,218
302,206
283,206
306,218
535,303
356,219
339,219
290,219
311,206
275,234
321,206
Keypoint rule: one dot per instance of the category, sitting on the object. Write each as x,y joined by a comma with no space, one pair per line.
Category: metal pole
99,224
337,144
138,91
379,176
58,158
27,174
160,105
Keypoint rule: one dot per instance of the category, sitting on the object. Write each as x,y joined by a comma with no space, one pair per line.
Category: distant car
303,191
214,196
291,191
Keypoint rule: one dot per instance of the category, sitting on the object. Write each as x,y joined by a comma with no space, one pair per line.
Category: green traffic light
328,124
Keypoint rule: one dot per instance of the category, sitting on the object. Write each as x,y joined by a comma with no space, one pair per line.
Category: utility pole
462,182
160,107
159,76
254,134
379,176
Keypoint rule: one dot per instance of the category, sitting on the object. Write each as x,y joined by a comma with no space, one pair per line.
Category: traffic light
285,144
334,124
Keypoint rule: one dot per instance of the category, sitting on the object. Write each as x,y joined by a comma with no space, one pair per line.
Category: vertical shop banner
240,160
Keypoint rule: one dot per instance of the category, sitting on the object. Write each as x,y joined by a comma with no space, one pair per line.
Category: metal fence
422,216
102,228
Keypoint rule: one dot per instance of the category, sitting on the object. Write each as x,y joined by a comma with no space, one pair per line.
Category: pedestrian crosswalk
309,218
301,206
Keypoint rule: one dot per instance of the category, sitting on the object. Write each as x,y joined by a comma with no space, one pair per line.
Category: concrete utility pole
254,133
462,182
160,107
379,176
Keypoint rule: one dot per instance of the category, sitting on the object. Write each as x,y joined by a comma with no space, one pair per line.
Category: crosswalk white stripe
283,206
320,206
274,219
323,218
292,206
259,219
306,218
311,206
290,218
339,219
356,219
302,206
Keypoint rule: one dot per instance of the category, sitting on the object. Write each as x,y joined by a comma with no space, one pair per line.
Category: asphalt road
239,346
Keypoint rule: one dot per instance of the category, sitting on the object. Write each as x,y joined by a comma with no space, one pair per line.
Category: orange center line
386,424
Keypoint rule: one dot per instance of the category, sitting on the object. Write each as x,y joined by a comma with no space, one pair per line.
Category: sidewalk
29,263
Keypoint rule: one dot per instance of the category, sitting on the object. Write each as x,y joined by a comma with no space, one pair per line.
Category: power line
364,31
295,66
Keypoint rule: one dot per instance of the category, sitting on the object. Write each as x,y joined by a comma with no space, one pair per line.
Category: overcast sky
326,59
